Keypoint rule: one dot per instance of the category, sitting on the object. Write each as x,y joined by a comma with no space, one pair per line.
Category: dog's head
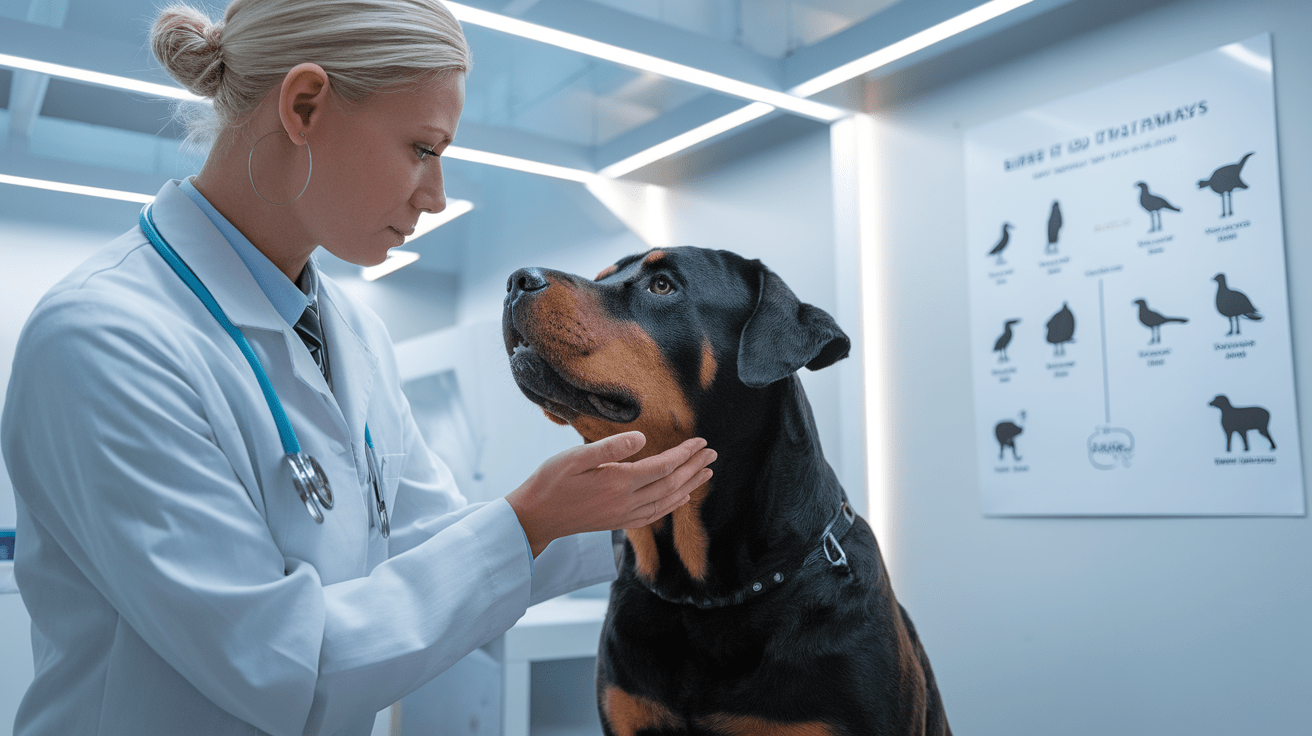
657,340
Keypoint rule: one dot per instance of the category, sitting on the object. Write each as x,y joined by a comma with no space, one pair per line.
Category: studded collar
826,551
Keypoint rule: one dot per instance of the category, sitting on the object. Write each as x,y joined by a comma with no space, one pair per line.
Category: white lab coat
176,582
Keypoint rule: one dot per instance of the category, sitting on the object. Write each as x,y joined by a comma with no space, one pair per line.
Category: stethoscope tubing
307,475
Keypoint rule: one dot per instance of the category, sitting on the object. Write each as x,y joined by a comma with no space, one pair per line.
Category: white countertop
7,584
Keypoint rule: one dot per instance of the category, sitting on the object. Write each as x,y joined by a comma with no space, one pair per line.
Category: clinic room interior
1066,242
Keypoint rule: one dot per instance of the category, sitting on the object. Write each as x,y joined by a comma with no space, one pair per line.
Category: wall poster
1130,335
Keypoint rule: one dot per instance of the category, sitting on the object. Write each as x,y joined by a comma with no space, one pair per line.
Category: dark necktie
311,331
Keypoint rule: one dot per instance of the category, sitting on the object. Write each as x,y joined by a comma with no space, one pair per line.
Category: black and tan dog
762,606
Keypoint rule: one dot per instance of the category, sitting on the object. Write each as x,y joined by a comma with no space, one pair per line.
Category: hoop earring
251,176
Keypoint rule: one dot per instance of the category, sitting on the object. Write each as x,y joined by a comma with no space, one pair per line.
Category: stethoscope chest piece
311,483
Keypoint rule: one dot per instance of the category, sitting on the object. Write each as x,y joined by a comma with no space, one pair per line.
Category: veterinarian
228,520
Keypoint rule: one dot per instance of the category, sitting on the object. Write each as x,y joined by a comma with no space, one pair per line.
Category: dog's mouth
549,388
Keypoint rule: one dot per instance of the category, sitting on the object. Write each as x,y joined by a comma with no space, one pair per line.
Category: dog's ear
784,334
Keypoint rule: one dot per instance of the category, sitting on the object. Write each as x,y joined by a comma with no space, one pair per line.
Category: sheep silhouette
1240,419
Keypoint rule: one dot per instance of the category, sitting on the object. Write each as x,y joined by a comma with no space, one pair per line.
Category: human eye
424,152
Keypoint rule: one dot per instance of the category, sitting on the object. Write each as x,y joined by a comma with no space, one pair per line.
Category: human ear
302,99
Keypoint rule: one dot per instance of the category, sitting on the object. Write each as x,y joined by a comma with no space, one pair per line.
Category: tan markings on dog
689,534
708,364
606,272
647,560
653,257
571,332
732,725
629,714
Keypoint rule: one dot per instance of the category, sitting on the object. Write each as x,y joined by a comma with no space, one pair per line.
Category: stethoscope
307,475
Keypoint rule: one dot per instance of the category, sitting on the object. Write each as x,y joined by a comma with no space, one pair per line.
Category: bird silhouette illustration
1007,432
1239,419
1225,181
1154,205
1154,321
1001,345
1002,242
1061,330
1233,304
1054,226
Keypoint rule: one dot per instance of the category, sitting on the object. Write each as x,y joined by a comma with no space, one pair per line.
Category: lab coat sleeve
427,502
111,451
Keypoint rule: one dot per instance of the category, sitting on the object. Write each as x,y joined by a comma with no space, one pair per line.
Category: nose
430,195
525,280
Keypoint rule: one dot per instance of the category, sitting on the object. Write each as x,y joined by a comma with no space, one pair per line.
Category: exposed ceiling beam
80,50
517,143
658,64
609,25
28,89
681,119
894,25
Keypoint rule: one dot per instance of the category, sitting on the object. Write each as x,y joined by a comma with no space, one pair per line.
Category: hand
589,489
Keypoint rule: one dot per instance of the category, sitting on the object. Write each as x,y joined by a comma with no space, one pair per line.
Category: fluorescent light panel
907,46
518,164
645,62
429,222
395,259
59,186
766,99
104,80
687,140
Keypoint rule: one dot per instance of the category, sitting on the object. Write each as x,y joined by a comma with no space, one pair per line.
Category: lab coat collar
214,261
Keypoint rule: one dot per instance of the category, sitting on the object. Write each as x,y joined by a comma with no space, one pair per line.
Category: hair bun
187,45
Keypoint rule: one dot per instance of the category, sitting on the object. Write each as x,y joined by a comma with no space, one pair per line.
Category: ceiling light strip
645,62
907,46
59,186
687,140
395,259
429,222
90,77
519,164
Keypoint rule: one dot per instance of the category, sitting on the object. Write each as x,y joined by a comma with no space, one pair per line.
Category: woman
179,578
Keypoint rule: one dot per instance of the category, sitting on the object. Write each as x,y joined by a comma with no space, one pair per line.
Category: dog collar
827,551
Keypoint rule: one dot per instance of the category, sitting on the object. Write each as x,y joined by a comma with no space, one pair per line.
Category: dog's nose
525,279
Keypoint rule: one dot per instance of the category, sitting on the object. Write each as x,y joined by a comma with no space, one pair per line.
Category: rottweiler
762,606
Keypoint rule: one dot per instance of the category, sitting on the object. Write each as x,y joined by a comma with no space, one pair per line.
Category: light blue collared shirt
286,297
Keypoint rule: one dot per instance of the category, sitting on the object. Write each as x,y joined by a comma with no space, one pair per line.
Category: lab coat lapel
217,265
354,365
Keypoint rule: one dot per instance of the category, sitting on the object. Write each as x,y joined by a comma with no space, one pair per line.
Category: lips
558,394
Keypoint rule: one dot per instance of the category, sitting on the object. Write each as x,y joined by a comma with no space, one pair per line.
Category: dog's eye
661,286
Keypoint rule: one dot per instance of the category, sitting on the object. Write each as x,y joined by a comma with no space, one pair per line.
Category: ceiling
524,98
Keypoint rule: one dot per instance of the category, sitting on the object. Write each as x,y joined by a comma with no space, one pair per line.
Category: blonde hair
365,46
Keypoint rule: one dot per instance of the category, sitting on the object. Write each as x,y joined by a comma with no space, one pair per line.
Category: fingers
668,503
610,449
656,467
674,490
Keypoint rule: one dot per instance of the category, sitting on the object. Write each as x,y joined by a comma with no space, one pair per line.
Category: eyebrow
445,136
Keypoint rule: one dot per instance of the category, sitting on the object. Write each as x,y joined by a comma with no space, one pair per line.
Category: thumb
611,449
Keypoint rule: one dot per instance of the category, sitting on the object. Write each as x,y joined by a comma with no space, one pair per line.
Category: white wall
1092,626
